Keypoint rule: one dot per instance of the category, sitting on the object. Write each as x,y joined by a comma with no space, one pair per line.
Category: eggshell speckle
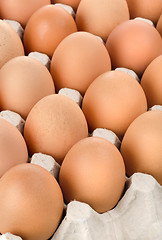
93,172
10,43
53,125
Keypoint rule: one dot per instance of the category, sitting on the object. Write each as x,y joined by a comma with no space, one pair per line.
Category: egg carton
138,215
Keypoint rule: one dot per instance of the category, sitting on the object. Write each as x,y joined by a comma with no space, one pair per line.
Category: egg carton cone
16,26
42,57
156,107
68,8
137,216
46,162
73,94
9,236
13,118
145,20
128,71
108,135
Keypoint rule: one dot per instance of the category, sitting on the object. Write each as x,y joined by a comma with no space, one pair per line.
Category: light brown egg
141,147
113,101
78,60
10,43
31,202
101,17
13,149
93,172
73,3
149,9
134,44
159,25
151,82
23,82
53,125
20,10
46,28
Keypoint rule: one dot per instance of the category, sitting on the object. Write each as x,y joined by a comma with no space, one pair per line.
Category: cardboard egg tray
138,214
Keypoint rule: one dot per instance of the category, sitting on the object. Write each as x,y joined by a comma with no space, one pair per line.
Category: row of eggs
55,125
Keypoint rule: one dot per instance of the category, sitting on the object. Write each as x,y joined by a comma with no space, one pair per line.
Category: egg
134,44
148,9
53,125
159,25
151,82
23,82
73,3
10,43
46,28
141,147
113,101
13,149
93,172
101,17
20,10
78,60
31,202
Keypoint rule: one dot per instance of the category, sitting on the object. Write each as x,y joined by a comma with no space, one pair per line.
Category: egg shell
20,10
101,17
141,146
46,28
53,125
68,8
73,3
8,39
113,101
37,202
151,82
159,25
78,60
147,9
23,82
13,149
93,172
134,44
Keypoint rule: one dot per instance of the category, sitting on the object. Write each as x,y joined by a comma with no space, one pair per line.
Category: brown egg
113,101
10,43
134,44
149,9
151,82
31,202
23,82
78,60
20,10
13,149
93,172
73,3
46,28
141,147
53,125
159,25
101,17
